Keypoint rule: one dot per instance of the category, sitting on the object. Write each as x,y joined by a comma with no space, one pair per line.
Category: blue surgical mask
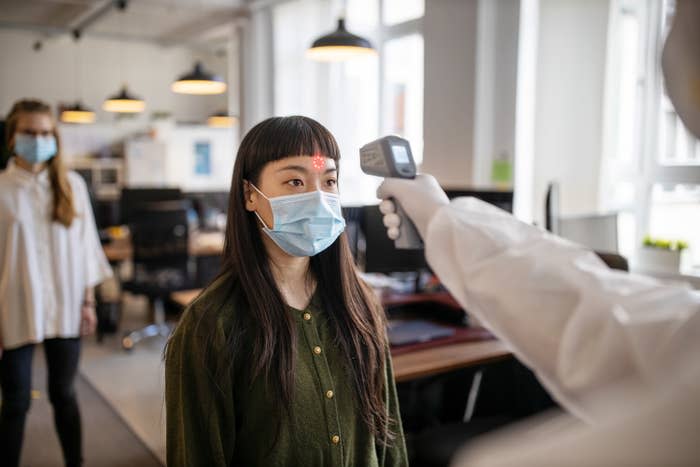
35,149
304,224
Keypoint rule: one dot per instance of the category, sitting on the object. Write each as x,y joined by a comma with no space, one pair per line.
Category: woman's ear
250,196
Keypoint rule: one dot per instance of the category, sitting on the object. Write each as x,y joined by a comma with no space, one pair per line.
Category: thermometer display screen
400,154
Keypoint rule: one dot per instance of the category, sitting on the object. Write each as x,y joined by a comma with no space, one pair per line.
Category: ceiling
166,22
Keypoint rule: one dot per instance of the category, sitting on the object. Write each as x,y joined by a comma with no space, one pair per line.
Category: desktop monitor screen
132,200
500,199
382,256
380,253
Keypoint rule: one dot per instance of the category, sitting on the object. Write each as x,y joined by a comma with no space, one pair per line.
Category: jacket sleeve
200,423
579,325
394,453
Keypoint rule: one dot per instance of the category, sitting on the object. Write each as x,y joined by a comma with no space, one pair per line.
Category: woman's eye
331,182
296,182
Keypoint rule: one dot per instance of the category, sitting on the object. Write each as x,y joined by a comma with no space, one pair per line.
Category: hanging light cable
340,45
77,113
123,101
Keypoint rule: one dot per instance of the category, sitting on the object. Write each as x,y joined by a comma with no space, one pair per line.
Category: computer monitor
353,227
382,256
500,199
133,199
380,253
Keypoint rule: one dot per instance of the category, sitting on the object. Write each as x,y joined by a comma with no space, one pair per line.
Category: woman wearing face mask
50,260
283,359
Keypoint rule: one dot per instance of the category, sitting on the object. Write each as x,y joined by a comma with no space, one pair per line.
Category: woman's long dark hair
355,316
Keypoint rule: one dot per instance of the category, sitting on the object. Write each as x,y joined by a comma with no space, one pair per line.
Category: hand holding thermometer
391,156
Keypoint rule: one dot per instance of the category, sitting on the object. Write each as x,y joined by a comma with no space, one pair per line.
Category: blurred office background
552,109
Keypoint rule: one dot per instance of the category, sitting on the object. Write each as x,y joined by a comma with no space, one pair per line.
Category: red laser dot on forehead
318,162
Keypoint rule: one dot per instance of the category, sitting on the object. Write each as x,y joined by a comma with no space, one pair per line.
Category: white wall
450,34
569,104
496,84
50,74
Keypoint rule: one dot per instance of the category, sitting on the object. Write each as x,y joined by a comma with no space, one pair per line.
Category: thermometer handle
409,239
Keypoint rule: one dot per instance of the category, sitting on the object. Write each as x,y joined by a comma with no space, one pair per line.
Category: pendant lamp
199,81
221,120
77,114
339,45
123,102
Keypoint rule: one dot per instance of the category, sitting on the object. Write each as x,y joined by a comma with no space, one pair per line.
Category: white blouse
45,267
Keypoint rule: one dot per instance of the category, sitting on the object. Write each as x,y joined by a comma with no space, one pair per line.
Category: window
651,164
399,11
358,100
403,90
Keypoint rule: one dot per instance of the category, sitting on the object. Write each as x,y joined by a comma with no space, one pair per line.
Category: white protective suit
619,351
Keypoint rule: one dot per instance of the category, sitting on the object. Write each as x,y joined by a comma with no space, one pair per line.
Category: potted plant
662,255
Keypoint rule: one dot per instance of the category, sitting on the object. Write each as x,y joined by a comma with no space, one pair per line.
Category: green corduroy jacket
229,421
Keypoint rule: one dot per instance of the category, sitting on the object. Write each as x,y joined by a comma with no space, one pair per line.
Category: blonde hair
63,208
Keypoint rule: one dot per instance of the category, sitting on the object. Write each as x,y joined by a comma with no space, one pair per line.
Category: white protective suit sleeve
579,325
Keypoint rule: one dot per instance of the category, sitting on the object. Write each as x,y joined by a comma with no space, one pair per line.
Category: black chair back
160,236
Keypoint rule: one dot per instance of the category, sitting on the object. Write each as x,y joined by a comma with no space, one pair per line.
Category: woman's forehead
316,162
34,121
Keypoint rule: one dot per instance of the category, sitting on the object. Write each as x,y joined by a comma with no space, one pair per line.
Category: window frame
646,170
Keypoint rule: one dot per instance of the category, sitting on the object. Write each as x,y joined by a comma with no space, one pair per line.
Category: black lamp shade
124,94
339,45
198,73
199,81
123,102
341,37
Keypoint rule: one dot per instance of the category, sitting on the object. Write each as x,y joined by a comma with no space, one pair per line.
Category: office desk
426,361
201,244
185,297
444,358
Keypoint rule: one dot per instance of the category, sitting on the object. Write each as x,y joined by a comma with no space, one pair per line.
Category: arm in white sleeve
579,325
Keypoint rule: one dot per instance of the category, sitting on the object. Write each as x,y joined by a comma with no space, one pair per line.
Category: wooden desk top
185,297
426,361
444,358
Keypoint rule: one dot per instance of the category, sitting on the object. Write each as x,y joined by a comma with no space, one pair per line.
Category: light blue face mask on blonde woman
35,149
304,224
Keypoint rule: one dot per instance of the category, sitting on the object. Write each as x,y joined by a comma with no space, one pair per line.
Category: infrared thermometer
391,157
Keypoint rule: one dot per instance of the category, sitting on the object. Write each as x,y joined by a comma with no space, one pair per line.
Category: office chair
161,262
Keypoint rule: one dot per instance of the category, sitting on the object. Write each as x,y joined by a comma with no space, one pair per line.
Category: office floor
131,382
108,441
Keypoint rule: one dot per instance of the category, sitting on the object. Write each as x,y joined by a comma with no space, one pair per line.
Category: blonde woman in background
50,260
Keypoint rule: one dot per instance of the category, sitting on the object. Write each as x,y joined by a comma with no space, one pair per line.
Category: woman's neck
29,167
291,273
